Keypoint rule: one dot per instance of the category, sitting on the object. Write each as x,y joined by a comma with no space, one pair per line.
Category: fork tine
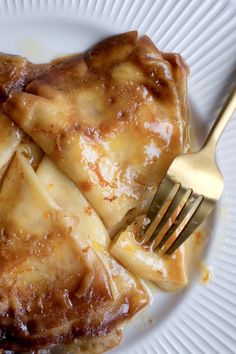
159,213
170,212
159,199
169,236
175,240
162,235
192,220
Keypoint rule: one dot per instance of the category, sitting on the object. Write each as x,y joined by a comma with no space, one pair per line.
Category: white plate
201,319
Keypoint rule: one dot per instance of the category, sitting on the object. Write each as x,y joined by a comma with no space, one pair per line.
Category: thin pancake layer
10,138
111,119
180,73
168,272
15,73
57,280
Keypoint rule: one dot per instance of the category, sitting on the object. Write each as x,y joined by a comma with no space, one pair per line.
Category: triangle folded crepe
58,280
170,273
15,73
112,119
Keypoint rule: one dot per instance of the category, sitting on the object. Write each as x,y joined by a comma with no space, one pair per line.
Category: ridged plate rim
204,33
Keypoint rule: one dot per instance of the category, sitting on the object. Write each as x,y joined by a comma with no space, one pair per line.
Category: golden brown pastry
170,273
112,119
15,73
58,280
10,138
180,72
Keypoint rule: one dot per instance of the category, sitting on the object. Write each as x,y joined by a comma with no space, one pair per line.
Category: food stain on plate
206,273
31,48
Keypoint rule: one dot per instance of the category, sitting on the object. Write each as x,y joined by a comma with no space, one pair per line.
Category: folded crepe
112,119
58,280
15,73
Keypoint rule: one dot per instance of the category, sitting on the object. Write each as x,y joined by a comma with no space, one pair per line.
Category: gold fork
188,192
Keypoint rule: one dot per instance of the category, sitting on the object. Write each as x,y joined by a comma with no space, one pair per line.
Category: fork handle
221,122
